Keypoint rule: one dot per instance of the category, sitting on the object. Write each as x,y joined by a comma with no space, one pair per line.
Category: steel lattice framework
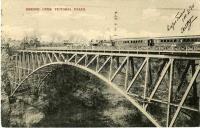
145,80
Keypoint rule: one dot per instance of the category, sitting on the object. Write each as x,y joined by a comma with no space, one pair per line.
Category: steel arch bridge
148,81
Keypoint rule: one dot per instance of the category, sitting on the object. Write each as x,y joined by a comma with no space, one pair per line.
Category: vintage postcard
100,63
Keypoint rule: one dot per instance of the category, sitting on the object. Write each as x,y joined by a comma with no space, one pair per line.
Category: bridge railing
127,48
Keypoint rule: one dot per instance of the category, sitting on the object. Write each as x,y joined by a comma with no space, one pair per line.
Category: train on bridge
154,41
182,43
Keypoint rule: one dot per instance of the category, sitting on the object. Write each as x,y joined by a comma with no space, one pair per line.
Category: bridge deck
141,50
121,53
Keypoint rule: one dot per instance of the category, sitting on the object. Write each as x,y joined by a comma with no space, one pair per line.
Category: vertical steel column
28,63
117,59
111,63
38,60
24,64
16,74
86,60
32,61
150,74
194,86
20,66
45,59
127,71
16,68
97,65
38,65
75,58
170,93
59,56
132,67
146,81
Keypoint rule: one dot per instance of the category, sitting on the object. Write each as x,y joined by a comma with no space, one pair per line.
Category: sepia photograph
100,63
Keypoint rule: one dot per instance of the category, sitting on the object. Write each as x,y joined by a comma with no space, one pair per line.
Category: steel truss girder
136,75
160,79
120,67
185,95
48,57
103,64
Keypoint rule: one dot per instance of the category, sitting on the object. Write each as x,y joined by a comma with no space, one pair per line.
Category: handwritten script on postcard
185,18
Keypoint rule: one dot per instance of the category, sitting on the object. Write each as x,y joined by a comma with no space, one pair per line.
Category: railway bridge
149,79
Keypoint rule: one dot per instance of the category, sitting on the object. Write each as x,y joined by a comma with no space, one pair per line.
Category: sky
136,18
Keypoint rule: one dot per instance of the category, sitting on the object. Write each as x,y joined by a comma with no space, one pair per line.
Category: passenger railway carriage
159,41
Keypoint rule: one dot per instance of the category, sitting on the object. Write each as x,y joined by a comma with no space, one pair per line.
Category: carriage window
161,40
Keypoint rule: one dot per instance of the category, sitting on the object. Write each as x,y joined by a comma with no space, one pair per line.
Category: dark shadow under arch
109,83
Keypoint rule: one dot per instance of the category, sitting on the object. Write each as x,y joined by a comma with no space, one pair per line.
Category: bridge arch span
131,68
101,77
